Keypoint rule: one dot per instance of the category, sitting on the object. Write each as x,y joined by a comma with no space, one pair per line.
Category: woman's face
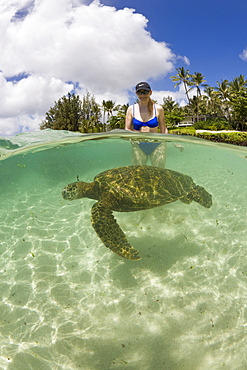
144,95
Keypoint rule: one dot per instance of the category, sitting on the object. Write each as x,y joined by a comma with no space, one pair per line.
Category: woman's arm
161,119
128,119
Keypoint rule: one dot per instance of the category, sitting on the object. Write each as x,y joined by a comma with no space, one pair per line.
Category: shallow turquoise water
67,302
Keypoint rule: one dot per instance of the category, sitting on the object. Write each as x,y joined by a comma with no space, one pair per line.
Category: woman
147,117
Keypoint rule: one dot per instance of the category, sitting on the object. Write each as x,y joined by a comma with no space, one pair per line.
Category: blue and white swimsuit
145,146
153,122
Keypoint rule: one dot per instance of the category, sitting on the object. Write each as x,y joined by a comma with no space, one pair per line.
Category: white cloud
102,49
24,103
243,55
22,123
184,59
178,96
34,91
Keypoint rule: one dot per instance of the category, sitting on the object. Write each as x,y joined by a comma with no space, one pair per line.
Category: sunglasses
143,92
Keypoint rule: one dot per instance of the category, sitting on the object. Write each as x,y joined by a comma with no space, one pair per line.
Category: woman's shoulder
159,107
130,109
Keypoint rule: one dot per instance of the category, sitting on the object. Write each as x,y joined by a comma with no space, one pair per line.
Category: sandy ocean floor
67,302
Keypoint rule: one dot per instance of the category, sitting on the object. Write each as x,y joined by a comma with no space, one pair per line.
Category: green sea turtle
128,189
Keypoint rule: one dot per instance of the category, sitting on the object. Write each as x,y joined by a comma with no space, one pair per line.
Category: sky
52,47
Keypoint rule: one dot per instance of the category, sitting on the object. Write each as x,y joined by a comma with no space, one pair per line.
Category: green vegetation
118,121
223,107
65,115
72,114
214,124
236,138
183,77
227,102
173,113
183,131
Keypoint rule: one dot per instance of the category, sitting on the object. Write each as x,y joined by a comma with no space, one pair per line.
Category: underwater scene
69,302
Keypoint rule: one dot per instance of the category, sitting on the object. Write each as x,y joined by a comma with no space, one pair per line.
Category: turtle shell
134,188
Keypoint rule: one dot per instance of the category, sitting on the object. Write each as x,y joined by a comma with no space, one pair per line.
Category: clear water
67,302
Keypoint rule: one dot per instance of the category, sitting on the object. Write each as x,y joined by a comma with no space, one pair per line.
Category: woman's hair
150,106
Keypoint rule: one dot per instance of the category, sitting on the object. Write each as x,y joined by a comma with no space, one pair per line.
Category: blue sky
49,48
211,34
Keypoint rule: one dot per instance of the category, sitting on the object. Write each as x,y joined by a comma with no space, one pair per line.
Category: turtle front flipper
110,232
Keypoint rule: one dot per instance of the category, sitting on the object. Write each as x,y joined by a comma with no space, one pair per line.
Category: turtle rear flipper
110,232
200,195
186,200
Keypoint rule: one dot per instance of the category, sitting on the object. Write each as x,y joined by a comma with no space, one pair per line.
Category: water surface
67,302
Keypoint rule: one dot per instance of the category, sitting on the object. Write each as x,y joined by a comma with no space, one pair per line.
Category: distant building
191,120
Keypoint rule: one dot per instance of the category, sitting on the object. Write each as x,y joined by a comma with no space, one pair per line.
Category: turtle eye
65,193
70,192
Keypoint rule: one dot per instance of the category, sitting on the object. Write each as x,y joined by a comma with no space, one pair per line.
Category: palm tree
212,102
173,113
238,101
239,106
197,80
223,92
169,104
104,110
182,76
108,107
194,106
122,110
238,84
118,121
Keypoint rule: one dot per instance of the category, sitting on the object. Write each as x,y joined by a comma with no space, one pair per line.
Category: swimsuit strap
133,113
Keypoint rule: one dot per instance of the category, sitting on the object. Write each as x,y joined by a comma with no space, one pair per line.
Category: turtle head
71,192
74,190
79,189
200,195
